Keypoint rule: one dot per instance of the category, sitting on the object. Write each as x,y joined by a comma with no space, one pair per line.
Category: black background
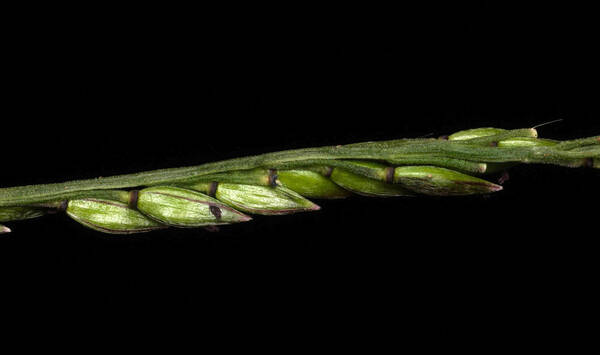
105,96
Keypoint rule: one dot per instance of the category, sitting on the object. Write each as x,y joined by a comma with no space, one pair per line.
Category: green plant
280,182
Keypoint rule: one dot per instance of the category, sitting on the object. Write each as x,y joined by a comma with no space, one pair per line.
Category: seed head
19,213
263,200
526,142
310,184
365,186
431,180
110,216
185,208
475,133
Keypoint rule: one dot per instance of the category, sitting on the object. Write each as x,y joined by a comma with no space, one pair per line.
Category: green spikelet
185,208
110,217
431,180
310,184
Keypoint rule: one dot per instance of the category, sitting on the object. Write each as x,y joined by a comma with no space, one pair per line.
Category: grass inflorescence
278,183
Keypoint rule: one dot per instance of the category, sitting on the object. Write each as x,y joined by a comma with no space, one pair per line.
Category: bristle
547,123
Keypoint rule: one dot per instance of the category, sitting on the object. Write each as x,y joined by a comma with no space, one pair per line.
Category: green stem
576,143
